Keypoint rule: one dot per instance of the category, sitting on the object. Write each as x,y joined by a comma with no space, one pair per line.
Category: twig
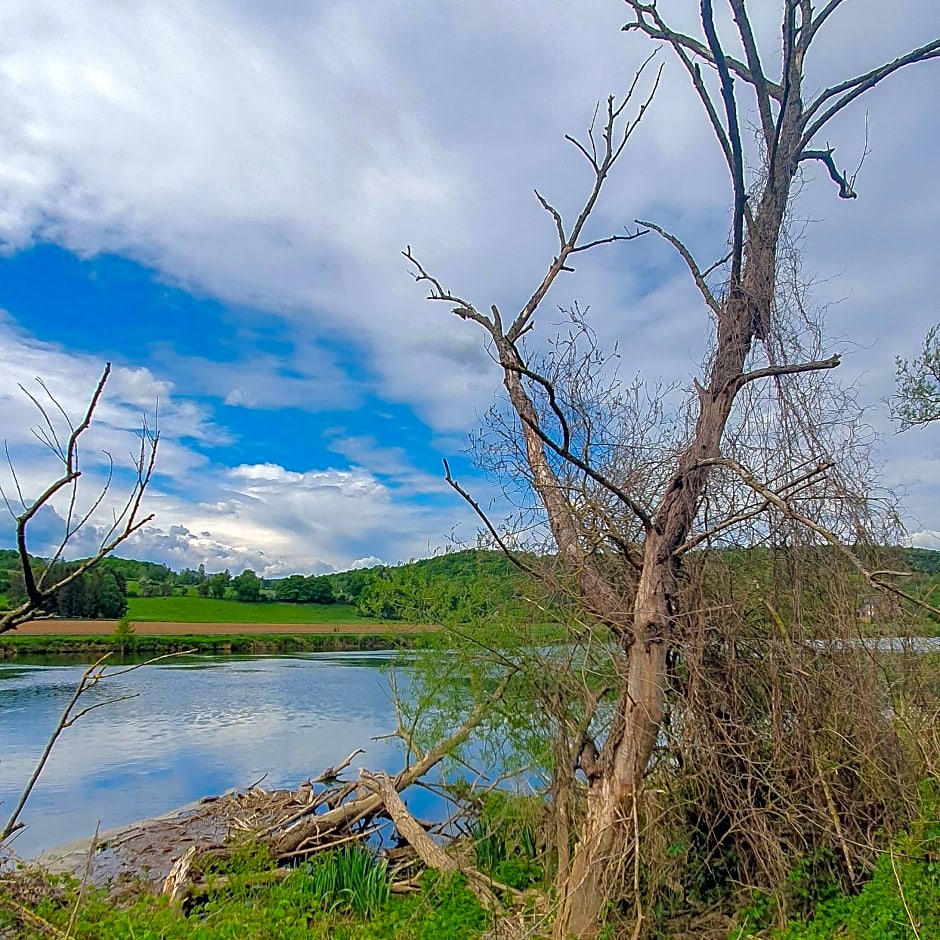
85,877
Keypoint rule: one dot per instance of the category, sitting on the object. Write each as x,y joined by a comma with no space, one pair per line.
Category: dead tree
40,580
743,310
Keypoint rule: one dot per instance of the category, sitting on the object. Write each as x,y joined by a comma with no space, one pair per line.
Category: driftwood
427,849
326,812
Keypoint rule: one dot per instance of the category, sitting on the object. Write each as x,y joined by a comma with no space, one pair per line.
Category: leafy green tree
97,593
290,590
189,576
381,599
125,636
247,586
219,583
917,399
317,589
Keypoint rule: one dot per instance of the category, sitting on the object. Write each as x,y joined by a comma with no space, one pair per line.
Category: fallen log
295,824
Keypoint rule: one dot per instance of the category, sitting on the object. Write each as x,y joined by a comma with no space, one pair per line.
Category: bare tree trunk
743,312
603,841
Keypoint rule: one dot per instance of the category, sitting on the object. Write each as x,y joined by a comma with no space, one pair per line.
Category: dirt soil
149,628
145,850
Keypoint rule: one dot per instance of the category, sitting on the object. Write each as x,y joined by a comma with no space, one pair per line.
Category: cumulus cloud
264,516
280,156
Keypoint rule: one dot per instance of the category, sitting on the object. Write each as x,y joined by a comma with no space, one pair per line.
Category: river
196,727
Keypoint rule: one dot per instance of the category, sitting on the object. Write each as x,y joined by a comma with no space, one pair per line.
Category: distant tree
379,598
89,595
247,586
917,399
203,588
348,585
290,590
218,584
147,587
107,596
317,589
189,576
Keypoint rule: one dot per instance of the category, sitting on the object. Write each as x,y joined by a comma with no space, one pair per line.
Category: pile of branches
328,812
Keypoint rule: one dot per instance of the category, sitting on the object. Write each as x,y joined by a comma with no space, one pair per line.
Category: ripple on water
193,728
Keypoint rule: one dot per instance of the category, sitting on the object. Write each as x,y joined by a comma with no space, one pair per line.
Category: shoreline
97,637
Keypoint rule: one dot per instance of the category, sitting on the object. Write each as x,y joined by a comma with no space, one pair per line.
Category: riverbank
98,637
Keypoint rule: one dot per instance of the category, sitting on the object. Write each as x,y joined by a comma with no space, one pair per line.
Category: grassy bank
342,895
13,646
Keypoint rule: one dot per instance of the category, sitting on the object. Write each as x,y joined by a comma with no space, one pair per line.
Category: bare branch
740,381
785,492
556,216
686,255
734,141
485,519
126,523
605,241
854,87
615,138
639,511
93,675
757,77
463,308
825,157
874,578
657,29
549,387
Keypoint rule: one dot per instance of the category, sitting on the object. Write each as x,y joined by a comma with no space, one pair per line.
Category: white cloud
263,516
282,154
925,539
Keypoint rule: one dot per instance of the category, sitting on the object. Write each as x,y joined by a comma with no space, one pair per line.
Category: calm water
197,727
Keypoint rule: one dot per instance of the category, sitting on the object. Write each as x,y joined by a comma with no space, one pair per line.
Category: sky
214,196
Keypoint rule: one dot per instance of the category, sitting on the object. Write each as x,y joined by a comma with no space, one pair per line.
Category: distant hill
467,582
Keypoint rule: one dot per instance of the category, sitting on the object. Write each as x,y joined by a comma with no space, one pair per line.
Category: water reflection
196,727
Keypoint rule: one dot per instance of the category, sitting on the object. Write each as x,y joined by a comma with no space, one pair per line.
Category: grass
210,610
344,895
144,645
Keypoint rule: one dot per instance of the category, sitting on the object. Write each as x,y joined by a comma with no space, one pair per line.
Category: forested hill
465,581
462,582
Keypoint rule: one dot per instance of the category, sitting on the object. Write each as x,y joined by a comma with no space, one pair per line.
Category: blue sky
215,197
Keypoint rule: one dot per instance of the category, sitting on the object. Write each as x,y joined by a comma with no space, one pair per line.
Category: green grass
146,646
209,610
901,900
345,898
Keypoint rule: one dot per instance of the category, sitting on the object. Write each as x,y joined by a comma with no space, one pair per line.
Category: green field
209,610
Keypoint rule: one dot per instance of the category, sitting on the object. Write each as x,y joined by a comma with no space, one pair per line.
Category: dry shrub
792,752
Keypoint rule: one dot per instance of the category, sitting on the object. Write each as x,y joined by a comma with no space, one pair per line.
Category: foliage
125,636
315,589
505,837
453,587
218,584
250,907
247,587
350,879
98,593
214,643
901,900
917,398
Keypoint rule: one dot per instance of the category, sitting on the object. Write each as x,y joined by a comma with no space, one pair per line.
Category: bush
901,901
124,636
